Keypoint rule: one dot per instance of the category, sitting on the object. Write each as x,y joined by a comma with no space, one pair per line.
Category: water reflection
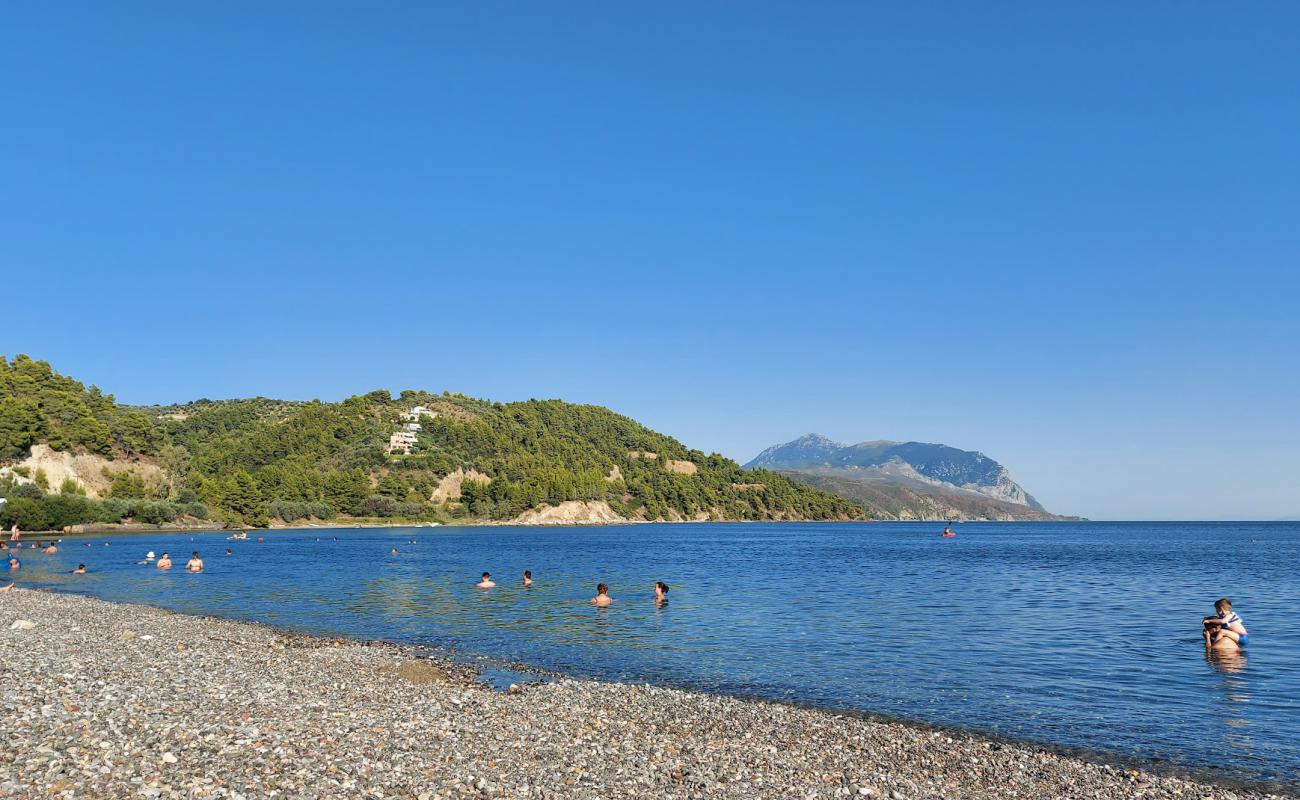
1226,662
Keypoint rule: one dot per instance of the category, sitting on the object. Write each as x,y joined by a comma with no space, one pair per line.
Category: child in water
1224,630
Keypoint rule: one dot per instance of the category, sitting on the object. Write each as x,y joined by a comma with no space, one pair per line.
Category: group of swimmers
195,564
601,599
42,547
1223,631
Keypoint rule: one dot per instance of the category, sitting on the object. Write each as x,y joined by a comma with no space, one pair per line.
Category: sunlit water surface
1078,634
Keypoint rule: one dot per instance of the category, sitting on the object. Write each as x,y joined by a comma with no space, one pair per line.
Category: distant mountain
905,480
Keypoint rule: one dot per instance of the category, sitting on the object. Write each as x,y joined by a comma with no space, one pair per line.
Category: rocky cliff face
936,472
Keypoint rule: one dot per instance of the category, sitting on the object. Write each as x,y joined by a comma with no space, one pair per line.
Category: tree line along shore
72,455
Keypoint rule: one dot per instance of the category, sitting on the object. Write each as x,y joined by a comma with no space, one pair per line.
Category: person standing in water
528,577
1224,630
487,582
602,597
195,564
661,593
165,562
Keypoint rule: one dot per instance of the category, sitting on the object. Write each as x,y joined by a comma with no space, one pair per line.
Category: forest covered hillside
70,454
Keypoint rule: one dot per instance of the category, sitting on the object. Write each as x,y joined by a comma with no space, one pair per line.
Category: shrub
29,491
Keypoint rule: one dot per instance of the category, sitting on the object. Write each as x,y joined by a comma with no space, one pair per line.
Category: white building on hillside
415,413
401,442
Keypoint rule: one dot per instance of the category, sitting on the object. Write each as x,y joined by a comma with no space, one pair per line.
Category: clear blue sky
1067,235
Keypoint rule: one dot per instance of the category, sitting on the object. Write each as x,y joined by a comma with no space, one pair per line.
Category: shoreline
235,701
89,529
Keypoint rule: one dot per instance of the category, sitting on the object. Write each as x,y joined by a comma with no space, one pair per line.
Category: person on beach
486,583
1224,630
165,562
7,588
661,593
602,597
14,533
80,570
195,564
528,577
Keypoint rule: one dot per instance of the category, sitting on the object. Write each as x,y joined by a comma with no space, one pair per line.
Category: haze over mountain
905,480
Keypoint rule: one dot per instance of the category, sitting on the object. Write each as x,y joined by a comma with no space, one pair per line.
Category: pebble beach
101,700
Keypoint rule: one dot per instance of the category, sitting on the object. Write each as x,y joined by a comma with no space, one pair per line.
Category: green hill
260,460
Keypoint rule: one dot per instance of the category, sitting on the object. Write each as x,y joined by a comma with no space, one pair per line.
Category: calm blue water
1079,634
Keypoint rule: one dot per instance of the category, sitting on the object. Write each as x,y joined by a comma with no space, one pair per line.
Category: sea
1084,636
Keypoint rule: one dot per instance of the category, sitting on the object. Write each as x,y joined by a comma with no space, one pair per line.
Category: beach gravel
100,700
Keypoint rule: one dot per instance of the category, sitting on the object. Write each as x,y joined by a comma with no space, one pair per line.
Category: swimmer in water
80,570
50,549
195,564
1224,630
229,552
14,563
486,583
602,597
528,577
661,593
393,552
165,562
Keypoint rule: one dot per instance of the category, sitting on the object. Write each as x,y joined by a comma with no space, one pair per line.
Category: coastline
113,700
90,529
